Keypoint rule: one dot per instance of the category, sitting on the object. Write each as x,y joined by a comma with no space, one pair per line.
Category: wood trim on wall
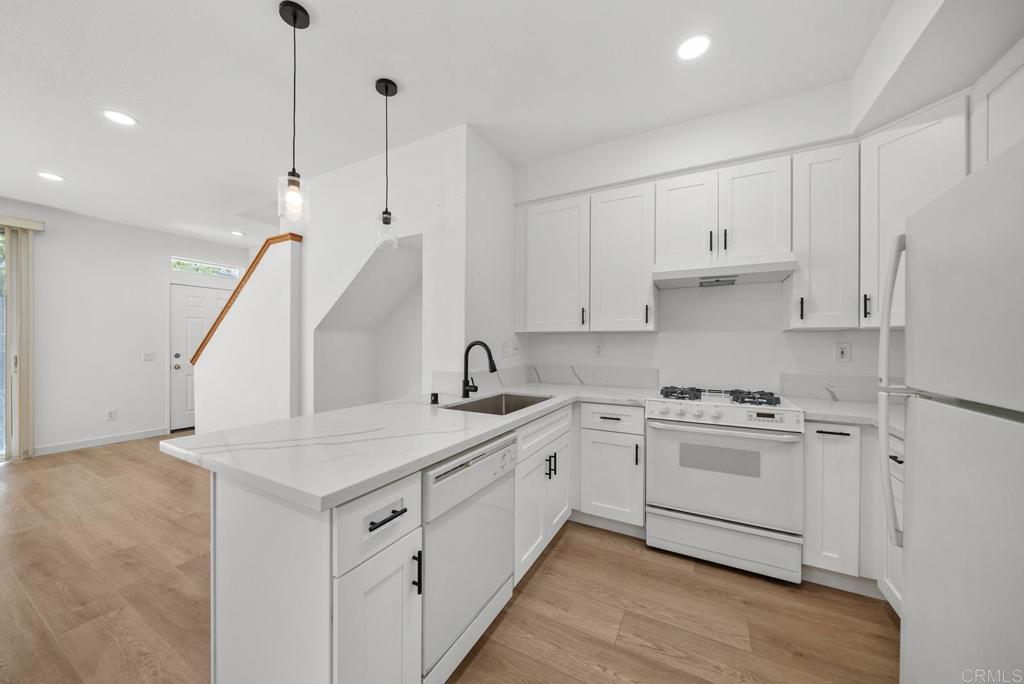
283,237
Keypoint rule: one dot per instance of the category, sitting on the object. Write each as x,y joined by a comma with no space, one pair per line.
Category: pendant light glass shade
292,198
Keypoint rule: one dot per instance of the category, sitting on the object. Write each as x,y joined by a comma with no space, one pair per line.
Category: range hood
771,269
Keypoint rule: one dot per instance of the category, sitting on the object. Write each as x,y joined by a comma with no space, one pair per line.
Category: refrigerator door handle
899,246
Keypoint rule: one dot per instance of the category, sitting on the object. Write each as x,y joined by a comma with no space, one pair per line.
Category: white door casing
193,310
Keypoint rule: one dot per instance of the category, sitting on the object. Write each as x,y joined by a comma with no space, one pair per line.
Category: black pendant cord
387,180
295,73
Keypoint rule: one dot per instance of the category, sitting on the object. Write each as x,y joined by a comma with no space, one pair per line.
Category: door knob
177,366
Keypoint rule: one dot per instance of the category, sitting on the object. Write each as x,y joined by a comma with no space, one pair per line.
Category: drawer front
627,419
533,436
374,521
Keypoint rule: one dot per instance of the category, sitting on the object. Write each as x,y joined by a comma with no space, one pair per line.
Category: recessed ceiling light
50,176
237,233
120,117
694,46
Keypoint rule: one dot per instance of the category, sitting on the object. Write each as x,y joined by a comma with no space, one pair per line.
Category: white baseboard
605,524
855,585
99,441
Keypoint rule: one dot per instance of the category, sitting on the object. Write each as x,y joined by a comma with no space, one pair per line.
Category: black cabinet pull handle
725,239
711,241
583,315
418,582
609,418
636,454
895,459
832,432
374,526
801,308
554,463
647,313
867,300
548,472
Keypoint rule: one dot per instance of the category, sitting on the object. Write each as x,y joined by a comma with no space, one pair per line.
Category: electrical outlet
599,348
843,352
149,356
515,347
111,414
504,349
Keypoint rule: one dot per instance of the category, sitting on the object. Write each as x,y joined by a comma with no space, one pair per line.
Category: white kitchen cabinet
612,475
903,168
378,618
832,457
553,266
686,219
997,108
754,210
822,292
891,582
542,503
621,259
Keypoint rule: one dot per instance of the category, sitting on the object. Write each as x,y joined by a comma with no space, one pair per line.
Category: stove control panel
787,419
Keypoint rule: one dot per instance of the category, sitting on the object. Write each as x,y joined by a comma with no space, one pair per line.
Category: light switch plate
149,356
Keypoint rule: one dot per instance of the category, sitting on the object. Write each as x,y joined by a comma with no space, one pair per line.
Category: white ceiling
210,84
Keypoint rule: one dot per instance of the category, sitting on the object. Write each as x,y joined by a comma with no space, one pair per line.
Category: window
204,268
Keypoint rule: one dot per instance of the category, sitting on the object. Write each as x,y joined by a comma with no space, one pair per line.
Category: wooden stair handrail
283,237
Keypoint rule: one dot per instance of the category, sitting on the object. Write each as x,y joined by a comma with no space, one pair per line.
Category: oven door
753,477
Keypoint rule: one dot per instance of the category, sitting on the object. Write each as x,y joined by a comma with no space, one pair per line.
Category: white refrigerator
963,506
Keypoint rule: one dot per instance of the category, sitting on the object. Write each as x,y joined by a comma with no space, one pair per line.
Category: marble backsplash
450,382
843,387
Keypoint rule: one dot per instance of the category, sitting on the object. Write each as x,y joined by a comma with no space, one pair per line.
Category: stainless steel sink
499,404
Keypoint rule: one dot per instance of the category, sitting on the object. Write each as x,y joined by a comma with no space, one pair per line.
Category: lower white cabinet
832,497
542,500
612,475
378,617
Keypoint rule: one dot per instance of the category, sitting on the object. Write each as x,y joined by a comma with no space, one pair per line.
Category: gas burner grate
737,396
759,398
683,393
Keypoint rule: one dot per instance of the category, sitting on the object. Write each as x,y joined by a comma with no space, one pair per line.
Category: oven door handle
719,432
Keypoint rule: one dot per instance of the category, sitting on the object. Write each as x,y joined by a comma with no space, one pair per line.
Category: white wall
725,336
490,223
808,117
398,343
249,371
428,198
102,295
345,369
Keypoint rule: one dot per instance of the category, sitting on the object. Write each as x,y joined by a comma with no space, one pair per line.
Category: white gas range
725,478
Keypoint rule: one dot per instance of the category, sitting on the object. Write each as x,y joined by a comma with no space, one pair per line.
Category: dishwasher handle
719,432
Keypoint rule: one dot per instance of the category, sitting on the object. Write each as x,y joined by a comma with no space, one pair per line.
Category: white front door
193,310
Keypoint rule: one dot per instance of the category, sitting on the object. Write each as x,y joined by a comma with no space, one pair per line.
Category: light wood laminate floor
104,577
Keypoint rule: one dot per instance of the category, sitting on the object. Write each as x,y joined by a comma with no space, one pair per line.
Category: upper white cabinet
822,292
728,215
902,169
754,210
585,263
997,108
621,258
553,271
687,219
832,497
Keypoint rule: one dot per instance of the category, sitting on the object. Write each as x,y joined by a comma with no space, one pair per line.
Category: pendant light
292,194
387,237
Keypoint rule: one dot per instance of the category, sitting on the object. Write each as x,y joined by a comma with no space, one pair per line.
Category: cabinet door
612,476
554,250
832,497
686,224
529,513
754,210
822,293
378,618
997,108
621,258
556,486
902,169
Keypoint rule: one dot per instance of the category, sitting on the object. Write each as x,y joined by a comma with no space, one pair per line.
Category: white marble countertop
850,413
326,459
